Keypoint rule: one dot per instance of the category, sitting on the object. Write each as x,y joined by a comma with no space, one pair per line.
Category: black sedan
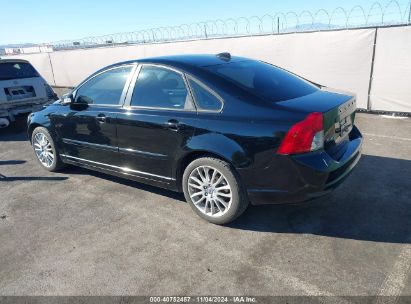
224,130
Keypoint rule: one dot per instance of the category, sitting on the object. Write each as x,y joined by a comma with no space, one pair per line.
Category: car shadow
16,131
123,181
11,162
373,204
4,178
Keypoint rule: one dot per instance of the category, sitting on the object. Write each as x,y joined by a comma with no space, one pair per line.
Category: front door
88,127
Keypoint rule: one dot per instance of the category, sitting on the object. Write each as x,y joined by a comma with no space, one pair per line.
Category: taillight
304,136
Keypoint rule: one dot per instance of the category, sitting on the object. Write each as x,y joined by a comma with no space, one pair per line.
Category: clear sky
40,21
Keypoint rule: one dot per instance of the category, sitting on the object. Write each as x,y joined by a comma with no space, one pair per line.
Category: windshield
16,70
264,80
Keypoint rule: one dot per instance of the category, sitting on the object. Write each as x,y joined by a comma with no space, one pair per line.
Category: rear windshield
264,80
16,70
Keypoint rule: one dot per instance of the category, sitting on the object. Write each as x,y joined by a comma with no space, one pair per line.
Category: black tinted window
16,70
160,88
264,80
105,88
204,98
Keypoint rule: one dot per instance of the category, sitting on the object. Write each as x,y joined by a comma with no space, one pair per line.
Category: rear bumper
307,176
12,110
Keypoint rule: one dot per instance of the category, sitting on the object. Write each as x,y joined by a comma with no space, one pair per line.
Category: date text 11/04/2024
203,299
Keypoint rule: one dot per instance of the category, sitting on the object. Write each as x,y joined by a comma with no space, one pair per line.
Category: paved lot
82,233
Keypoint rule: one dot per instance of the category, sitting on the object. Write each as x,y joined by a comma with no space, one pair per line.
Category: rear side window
159,87
17,70
204,97
264,80
105,88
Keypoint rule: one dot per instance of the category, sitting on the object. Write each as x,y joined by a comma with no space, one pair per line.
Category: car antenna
226,56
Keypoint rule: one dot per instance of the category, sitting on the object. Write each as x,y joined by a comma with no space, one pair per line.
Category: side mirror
80,102
83,100
67,99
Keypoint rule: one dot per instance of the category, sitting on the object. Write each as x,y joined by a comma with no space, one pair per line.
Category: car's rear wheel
45,150
214,191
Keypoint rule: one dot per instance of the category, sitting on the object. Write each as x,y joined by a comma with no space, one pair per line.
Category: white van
22,90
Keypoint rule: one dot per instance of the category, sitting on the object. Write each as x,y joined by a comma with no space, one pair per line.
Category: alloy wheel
43,149
209,191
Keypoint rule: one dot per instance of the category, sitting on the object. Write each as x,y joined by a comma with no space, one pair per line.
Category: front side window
158,87
105,88
205,99
17,70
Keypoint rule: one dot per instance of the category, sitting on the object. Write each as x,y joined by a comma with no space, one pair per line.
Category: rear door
157,122
88,126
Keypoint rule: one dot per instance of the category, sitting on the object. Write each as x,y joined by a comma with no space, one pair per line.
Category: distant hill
311,27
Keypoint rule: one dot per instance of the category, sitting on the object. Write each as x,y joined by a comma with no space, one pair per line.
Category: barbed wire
392,13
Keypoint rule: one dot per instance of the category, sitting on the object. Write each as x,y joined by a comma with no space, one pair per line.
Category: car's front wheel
45,150
214,191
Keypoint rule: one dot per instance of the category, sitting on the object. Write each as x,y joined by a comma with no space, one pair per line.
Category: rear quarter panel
246,133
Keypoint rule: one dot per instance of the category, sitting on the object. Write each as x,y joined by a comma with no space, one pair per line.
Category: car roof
185,61
194,60
13,60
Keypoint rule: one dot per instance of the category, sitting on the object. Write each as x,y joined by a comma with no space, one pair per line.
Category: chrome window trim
207,88
123,169
127,103
125,88
132,84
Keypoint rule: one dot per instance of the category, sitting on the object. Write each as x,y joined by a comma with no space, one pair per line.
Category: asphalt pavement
84,233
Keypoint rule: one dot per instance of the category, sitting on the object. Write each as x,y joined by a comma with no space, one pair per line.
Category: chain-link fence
391,13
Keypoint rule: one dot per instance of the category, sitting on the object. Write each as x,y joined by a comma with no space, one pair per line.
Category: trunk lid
338,116
22,91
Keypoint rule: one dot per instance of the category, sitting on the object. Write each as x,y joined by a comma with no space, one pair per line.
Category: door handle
101,118
173,124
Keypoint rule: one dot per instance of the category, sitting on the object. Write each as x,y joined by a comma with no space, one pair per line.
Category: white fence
343,59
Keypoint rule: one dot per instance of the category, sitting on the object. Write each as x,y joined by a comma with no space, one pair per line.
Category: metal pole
372,70
278,25
52,69
205,31
409,14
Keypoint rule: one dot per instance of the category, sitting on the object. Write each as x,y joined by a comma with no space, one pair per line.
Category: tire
222,193
43,145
